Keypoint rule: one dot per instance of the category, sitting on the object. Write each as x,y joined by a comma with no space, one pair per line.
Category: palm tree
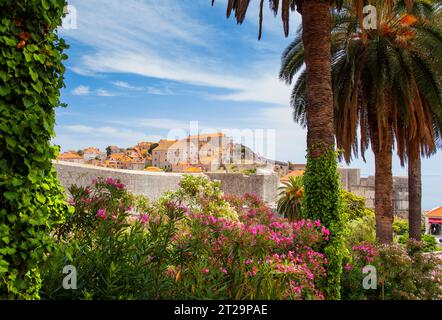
322,190
291,198
387,85
423,10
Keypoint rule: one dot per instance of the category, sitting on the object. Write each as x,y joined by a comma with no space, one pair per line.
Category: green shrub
31,199
403,272
400,226
185,250
429,242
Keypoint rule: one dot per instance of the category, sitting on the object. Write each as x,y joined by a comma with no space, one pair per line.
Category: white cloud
86,91
165,40
160,91
125,85
104,93
153,123
81,91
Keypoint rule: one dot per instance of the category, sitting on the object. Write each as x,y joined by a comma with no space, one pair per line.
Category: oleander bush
403,272
194,243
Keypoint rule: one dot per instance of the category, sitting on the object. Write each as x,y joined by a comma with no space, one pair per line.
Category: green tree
386,85
31,198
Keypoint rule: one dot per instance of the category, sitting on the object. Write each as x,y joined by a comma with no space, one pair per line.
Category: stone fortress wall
364,187
263,184
154,184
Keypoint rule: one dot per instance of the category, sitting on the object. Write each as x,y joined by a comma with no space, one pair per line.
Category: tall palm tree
423,10
322,190
386,84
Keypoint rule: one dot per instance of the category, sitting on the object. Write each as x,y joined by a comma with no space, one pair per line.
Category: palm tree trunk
316,37
321,177
381,137
384,194
414,197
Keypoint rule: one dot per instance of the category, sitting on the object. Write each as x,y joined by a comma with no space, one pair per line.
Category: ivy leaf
10,42
10,195
5,90
40,198
37,87
45,4
40,58
33,74
28,102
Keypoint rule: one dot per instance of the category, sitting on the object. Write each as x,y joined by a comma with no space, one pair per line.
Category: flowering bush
195,243
403,272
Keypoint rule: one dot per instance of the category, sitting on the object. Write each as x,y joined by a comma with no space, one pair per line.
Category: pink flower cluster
103,214
366,250
115,183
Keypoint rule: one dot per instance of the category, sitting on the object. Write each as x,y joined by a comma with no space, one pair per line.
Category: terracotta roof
69,156
192,169
434,213
295,173
163,145
153,169
208,135
92,150
119,157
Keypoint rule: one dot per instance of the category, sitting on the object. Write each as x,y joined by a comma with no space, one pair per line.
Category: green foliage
354,206
249,172
362,229
361,221
323,202
174,252
201,194
117,256
404,272
400,226
31,199
429,242
291,198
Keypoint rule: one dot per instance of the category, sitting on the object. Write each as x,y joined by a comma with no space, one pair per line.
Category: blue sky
138,69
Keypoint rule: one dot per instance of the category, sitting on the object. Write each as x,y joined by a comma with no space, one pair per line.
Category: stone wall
364,187
264,185
154,184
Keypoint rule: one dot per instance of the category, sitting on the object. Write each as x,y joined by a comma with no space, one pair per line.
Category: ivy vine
323,201
31,198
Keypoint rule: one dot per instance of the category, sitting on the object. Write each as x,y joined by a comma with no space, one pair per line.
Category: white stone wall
154,184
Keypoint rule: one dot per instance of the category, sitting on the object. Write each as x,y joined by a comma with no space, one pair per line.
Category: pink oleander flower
205,271
223,270
144,218
101,214
120,186
171,272
325,231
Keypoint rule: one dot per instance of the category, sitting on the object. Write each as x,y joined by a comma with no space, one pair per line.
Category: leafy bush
362,229
403,272
429,242
400,226
31,198
195,243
